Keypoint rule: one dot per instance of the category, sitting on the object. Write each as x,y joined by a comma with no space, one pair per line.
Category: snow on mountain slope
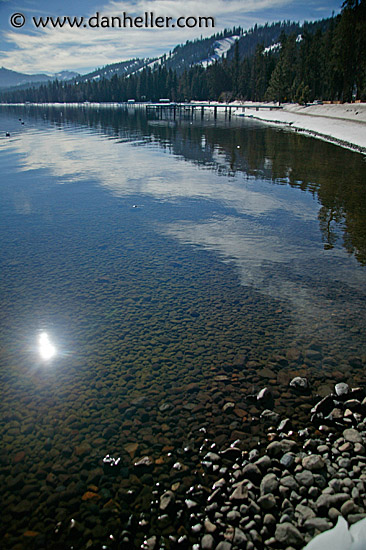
221,47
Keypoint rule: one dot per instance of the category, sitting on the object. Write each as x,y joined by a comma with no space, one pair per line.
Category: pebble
207,542
288,534
317,524
305,512
224,545
313,463
305,478
290,482
300,384
352,435
240,493
239,537
252,472
269,484
341,389
167,501
348,507
267,502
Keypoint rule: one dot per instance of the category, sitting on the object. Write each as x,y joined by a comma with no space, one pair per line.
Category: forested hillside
323,60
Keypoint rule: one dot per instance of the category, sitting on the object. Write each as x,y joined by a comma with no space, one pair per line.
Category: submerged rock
300,384
111,465
167,501
341,389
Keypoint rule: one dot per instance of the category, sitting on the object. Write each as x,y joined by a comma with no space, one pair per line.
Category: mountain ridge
10,78
201,51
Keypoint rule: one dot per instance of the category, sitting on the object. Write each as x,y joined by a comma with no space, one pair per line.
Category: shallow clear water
154,253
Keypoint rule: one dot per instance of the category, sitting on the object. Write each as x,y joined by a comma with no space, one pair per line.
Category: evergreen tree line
328,64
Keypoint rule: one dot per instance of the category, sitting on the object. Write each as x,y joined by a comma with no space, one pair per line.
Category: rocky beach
271,454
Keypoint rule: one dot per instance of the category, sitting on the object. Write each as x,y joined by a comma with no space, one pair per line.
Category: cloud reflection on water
270,232
126,169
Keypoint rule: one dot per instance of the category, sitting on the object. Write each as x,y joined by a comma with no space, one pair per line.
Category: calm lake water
142,261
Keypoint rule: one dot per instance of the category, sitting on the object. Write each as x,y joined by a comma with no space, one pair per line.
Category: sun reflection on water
45,347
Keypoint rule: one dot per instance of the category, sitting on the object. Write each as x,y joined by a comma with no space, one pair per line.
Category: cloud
33,50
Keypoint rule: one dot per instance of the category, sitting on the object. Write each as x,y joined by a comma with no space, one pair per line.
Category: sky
26,48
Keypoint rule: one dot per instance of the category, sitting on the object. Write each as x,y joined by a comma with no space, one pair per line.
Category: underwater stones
165,434
348,507
285,426
150,543
111,465
304,512
228,407
144,464
19,457
324,406
278,448
167,501
265,398
191,504
312,354
341,389
90,495
269,417
131,449
266,373
212,457
263,463
15,483
300,384
164,407
289,482
293,355
231,453
83,449
21,509
274,449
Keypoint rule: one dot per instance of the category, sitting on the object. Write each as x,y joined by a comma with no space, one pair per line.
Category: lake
154,274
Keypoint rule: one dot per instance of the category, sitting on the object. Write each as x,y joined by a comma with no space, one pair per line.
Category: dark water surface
171,266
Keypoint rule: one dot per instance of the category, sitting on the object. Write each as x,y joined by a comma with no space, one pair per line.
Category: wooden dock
190,109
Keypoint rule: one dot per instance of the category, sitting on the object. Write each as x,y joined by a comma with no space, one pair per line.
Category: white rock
340,538
337,538
358,534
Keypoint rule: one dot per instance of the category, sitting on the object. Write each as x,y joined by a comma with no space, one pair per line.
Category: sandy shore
343,124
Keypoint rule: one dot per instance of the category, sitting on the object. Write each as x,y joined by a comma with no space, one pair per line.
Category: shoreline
341,124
